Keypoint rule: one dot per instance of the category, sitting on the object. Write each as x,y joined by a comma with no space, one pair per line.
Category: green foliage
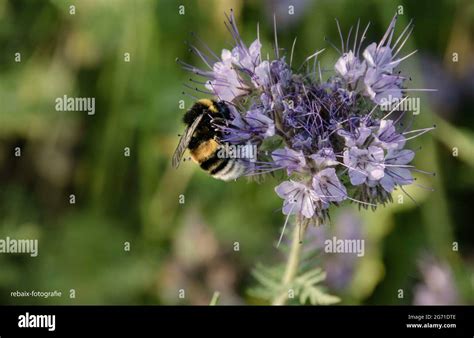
306,286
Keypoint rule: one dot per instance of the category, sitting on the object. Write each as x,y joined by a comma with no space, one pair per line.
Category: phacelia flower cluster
331,138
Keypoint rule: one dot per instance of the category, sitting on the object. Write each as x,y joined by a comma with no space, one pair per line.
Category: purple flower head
228,74
396,169
266,101
365,165
262,74
328,187
234,73
380,58
346,96
324,158
381,87
357,137
280,72
387,137
262,124
302,141
382,55
291,114
254,126
247,59
226,83
291,160
298,198
376,69
327,135
273,75
438,286
350,68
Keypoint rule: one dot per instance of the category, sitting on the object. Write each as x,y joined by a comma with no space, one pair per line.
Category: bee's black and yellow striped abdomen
205,142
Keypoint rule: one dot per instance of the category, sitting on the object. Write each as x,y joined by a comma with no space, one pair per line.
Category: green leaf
305,285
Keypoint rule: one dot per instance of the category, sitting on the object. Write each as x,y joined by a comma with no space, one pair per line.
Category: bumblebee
202,138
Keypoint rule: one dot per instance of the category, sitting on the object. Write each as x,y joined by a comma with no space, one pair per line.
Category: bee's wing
184,142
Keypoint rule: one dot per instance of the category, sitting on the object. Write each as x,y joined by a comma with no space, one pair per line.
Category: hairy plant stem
292,264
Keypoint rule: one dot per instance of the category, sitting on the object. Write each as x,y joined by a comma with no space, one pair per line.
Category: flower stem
292,264
215,298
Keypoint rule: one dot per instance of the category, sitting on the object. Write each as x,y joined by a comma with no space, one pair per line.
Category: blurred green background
136,198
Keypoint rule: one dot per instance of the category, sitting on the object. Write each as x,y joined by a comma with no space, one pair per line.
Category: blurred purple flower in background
438,286
455,88
339,267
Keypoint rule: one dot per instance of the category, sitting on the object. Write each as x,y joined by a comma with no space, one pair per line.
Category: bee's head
223,109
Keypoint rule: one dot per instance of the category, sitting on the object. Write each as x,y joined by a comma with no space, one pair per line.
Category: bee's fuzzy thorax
192,114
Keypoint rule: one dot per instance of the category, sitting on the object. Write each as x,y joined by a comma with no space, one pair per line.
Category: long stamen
277,53
333,45
195,70
355,36
284,225
361,202
314,55
292,51
340,35
424,172
362,38
348,38
390,29
423,187
419,134
397,61
417,130
206,46
371,112
409,196
409,26
395,108
420,90
320,75
404,41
